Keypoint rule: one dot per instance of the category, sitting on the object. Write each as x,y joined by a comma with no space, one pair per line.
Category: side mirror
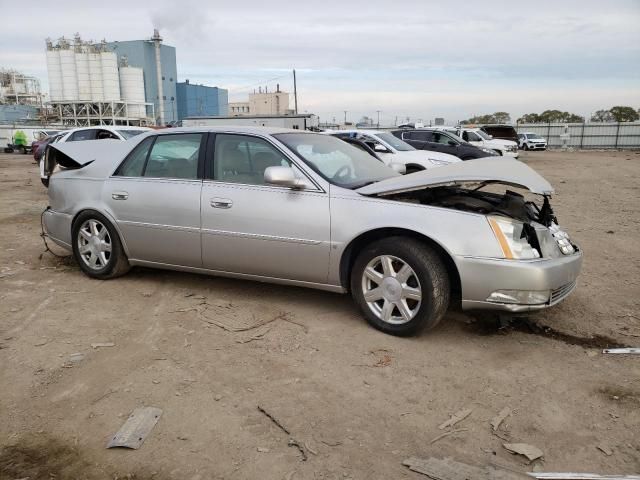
282,177
380,148
400,168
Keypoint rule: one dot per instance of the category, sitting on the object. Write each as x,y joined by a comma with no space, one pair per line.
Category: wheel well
499,152
413,166
111,220
357,244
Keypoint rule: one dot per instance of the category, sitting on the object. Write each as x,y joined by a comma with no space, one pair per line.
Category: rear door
252,228
419,140
155,197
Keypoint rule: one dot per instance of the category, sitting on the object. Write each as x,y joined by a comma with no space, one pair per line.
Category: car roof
230,129
357,130
110,128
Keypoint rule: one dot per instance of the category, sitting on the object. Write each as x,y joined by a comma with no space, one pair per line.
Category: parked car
306,209
40,146
532,141
42,137
94,133
440,141
481,139
393,150
503,132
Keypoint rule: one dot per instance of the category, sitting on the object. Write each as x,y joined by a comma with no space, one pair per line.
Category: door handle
119,195
220,203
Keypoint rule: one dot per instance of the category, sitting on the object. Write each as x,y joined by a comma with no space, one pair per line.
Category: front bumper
480,277
57,227
512,154
537,146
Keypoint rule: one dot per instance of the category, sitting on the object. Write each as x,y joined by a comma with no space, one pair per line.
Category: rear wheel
97,247
526,147
401,286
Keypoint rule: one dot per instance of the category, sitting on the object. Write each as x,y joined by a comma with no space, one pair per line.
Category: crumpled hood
424,156
489,169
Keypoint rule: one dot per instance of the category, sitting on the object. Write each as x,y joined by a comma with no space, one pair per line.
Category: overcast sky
420,59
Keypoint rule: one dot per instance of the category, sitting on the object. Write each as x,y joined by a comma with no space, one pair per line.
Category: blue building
141,53
201,101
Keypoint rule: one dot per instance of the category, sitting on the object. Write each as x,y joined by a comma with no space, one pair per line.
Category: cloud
423,58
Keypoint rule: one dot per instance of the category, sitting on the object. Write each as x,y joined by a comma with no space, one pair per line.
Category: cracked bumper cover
480,277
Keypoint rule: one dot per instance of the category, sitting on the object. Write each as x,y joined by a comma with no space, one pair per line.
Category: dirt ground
357,401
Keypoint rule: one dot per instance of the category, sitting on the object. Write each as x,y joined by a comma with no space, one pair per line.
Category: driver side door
251,228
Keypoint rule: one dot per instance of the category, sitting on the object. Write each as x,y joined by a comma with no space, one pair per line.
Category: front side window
243,159
82,135
395,142
174,156
106,134
484,135
336,161
442,138
471,137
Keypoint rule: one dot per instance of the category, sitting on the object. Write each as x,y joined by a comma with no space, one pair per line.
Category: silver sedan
305,209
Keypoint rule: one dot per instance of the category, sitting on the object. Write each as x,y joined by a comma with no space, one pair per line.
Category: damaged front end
524,229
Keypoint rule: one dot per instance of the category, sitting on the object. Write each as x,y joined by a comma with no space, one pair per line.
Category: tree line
614,114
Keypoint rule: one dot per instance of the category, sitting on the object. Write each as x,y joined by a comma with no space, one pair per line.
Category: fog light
522,297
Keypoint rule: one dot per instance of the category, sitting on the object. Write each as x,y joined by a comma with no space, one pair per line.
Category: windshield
394,141
127,134
533,135
483,134
335,160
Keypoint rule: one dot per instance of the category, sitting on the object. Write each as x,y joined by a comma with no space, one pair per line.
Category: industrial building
20,97
158,62
297,122
263,103
200,100
89,86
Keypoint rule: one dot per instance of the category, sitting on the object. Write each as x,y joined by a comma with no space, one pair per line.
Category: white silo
132,90
95,76
69,73
110,78
54,72
84,80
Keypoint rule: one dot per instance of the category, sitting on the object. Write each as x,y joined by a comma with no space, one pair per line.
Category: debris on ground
135,430
456,418
446,434
263,450
292,441
630,351
257,336
498,419
449,469
532,453
76,357
581,476
103,344
605,449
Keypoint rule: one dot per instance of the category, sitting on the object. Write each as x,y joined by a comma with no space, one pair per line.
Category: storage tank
84,82
69,74
110,79
132,90
95,77
54,72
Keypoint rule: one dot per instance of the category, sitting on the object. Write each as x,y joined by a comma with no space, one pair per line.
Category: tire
526,147
428,276
99,234
499,152
45,181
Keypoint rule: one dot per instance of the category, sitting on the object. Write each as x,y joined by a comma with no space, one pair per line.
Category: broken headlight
512,238
562,239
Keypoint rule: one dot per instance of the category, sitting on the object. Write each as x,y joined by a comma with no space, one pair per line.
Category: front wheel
400,285
97,247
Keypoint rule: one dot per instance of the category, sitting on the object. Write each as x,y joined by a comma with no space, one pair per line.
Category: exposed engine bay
539,223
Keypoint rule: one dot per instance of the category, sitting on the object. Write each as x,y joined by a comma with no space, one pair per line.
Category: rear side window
174,156
82,135
134,164
422,136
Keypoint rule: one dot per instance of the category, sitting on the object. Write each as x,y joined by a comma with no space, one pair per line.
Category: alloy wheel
94,244
391,289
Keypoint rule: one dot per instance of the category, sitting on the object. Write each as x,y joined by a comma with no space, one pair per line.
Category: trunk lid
74,155
491,170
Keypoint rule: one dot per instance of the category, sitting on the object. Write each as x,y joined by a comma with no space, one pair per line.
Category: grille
561,292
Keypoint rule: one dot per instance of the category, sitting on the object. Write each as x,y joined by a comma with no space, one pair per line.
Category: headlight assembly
492,152
512,239
438,162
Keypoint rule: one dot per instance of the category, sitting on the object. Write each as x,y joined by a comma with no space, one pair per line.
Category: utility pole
295,92
378,124
345,117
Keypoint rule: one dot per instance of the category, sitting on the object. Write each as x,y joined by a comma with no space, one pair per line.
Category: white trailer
296,122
